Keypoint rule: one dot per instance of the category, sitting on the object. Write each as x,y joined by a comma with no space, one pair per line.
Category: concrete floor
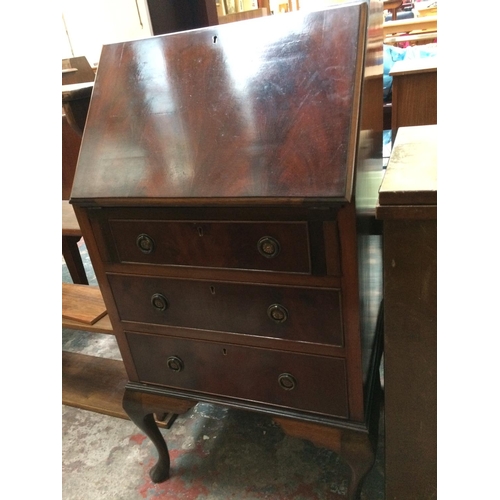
216,453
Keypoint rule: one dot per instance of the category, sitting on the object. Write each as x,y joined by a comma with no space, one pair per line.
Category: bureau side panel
410,305
84,220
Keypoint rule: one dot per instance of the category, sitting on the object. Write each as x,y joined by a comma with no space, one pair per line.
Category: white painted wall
87,25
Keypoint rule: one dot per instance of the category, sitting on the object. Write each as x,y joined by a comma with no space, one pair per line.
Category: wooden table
408,209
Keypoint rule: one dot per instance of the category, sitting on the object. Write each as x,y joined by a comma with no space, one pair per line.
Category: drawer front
278,247
298,381
291,313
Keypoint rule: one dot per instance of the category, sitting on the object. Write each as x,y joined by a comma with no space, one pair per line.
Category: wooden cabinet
408,209
216,194
414,93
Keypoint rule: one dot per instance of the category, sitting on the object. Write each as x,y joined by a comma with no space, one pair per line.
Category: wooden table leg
71,254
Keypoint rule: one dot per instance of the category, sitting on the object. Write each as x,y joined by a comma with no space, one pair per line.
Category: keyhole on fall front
224,352
212,290
214,39
200,231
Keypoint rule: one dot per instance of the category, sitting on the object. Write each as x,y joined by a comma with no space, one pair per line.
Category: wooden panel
243,372
101,326
411,174
92,383
410,302
265,110
214,244
313,314
414,93
82,303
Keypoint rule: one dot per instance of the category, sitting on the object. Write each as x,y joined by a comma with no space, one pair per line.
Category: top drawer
265,246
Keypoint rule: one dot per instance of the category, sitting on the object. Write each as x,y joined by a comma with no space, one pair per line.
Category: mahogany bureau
216,192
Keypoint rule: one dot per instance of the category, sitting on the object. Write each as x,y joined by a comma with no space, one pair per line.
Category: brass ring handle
175,363
159,302
145,243
268,247
277,313
287,381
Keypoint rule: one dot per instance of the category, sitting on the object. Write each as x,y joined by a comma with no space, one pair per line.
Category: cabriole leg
357,450
355,447
143,417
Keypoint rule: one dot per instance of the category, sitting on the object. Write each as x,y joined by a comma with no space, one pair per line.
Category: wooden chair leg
73,258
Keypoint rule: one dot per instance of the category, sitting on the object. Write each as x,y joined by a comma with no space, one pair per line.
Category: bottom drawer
298,381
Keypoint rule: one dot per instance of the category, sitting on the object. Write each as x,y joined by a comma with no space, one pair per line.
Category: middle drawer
285,312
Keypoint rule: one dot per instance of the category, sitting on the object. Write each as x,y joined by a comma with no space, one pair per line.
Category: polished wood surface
272,123
309,314
215,244
215,195
410,316
414,93
318,384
